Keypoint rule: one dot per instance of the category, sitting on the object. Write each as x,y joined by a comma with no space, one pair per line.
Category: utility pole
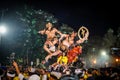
2,14
1,20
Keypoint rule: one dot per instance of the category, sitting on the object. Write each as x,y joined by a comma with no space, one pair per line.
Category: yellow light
94,61
116,60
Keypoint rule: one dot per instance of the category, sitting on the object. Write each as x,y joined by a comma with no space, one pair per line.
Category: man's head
49,25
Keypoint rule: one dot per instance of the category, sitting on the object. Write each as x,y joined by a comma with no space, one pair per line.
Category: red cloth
73,53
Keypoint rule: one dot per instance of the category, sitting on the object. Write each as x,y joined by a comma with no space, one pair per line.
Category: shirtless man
50,31
52,39
70,41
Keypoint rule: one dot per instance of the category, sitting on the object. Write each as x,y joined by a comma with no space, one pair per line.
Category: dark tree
109,39
30,42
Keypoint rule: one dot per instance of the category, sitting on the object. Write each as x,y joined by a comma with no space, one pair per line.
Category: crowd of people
18,72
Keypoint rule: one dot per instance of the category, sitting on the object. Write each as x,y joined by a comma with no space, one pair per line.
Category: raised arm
16,67
41,32
57,31
21,77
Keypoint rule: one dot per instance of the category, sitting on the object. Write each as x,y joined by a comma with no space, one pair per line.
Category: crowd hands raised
18,72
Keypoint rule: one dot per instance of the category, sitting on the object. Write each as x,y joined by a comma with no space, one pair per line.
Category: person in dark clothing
90,76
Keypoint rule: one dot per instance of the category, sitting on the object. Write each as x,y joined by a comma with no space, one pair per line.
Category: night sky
97,16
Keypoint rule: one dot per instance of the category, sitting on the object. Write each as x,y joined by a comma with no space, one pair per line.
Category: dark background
97,16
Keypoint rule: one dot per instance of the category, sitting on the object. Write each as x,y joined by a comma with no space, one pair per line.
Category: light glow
103,53
2,29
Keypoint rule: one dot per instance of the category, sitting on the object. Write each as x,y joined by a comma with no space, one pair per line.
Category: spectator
20,75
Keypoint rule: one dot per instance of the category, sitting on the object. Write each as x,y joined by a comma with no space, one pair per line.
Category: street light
103,53
2,29
94,61
116,60
104,58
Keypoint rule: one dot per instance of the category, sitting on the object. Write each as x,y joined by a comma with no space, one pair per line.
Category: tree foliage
109,39
118,38
30,42
66,29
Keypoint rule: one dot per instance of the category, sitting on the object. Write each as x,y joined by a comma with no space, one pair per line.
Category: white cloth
34,77
52,48
44,77
57,74
10,75
20,76
77,71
